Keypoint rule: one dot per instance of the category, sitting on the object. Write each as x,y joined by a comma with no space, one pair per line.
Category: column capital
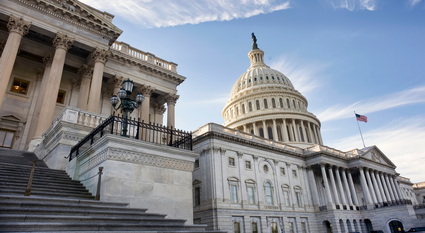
160,108
172,98
18,25
62,41
117,81
47,59
100,55
85,71
240,154
146,90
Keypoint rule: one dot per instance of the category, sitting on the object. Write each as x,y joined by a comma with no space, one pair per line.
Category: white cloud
151,13
411,96
305,78
413,3
352,5
401,141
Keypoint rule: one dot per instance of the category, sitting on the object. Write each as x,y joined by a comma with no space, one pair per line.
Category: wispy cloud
411,96
352,5
413,3
400,140
151,14
304,77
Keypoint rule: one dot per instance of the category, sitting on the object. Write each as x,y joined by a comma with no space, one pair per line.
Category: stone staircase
59,204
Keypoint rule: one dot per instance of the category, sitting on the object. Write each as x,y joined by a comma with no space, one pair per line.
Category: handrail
137,130
28,189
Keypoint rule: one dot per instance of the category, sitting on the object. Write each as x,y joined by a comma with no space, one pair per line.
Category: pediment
375,154
80,14
10,118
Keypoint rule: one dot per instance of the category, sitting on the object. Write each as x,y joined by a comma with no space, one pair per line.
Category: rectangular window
251,197
299,199
6,139
248,164
291,227
234,193
254,227
231,161
20,86
282,171
197,196
294,173
303,227
61,97
286,198
237,227
274,227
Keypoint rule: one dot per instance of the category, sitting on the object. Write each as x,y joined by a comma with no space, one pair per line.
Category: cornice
78,14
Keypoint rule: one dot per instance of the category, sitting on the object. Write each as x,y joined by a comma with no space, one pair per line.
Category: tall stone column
341,188
364,186
100,57
265,131
381,188
275,137
372,191
333,185
171,103
284,131
313,186
390,180
325,181
384,186
86,74
376,187
254,128
17,29
389,187
145,108
319,136
310,133
352,188
51,84
294,127
397,188
347,189
304,131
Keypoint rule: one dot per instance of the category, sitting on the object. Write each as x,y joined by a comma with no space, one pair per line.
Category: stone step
76,191
8,181
82,226
47,194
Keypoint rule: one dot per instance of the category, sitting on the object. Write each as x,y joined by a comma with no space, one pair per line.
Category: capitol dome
263,102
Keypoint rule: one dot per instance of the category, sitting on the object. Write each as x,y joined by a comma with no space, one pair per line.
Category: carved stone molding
146,90
63,41
172,98
100,55
159,108
85,71
117,81
18,25
135,157
47,59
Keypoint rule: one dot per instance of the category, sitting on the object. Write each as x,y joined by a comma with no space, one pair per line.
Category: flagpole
361,135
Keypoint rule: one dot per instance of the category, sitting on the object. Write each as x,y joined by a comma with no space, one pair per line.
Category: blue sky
366,56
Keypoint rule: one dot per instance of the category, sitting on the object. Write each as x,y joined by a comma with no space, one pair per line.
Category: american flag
361,118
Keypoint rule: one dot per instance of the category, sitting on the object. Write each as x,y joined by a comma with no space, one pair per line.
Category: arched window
270,132
293,101
273,103
261,132
243,108
281,102
257,103
237,111
268,193
286,195
299,195
287,103
265,103
250,106
236,227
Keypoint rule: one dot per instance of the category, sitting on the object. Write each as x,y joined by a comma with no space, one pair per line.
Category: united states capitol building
265,170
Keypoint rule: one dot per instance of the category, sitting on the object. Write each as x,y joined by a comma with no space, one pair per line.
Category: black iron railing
137,130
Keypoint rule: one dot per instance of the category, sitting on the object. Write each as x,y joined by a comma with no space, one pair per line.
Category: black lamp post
127,104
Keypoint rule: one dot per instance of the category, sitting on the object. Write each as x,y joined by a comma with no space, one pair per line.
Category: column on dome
304,131
284,131
171,100
144,110
86,74
100,57
341,188
312,140
244,128
316,138
326,183
254,128
333,185
274,130
52,82
17,29
365,189
376,186
352,188
370,186
265,131
319,136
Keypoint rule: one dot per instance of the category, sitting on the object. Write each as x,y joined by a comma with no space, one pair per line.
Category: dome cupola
264,102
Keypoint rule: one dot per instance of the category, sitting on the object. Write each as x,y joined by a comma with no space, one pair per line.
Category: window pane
251,199
274,227
237,228
234,197
6,139
254,227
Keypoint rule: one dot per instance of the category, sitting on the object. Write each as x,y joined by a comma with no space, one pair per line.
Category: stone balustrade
144,56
